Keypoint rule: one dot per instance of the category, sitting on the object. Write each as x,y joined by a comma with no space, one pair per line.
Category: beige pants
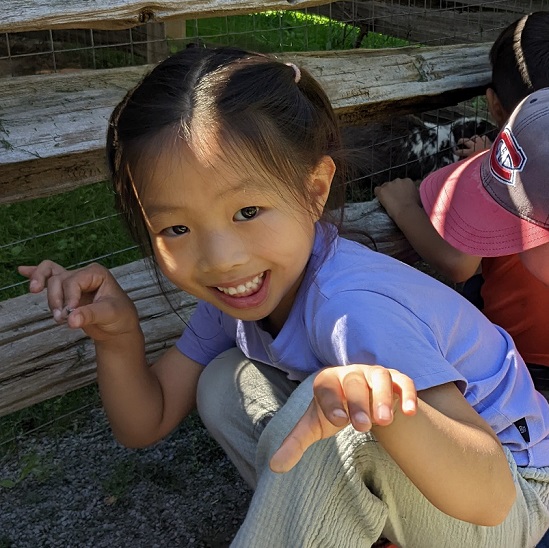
346,491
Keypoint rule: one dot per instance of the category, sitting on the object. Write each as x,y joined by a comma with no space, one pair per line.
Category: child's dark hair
520,59
255,106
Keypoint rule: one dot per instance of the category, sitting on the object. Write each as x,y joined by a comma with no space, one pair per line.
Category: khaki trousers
346,491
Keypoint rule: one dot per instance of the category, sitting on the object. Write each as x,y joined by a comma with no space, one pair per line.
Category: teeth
250,286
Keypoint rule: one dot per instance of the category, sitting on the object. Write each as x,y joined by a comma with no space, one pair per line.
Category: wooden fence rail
28,15
53,127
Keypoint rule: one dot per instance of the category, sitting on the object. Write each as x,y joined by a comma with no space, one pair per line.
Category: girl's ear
320,181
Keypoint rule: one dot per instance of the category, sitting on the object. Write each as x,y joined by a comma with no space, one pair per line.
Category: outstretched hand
88,298
467,147
361,395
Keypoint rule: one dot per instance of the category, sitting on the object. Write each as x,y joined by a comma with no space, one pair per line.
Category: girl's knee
218,385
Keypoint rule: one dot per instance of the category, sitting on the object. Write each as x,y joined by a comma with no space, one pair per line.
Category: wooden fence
52,133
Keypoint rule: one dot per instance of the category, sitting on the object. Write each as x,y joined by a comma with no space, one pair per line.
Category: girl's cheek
164,256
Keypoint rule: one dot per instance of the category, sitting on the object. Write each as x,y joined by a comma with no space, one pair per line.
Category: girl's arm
400,198
143,403
446,449
452,456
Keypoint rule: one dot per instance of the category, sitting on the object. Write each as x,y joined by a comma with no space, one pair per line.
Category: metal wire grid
429,22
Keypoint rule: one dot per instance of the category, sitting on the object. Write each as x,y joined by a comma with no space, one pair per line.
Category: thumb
100,313
310,428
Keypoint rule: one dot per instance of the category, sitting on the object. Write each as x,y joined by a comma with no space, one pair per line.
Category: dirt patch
84,489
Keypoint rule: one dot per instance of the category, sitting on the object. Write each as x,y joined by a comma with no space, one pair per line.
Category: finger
405,387
37,275
380,382
79,288
357,395
306,432
99,313
330,397
55,297
28,272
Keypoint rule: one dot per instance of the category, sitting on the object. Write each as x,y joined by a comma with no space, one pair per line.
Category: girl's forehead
178,166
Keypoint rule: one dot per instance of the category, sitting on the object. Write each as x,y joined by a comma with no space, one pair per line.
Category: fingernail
384,412
33,284
56,314
339,413
362,417
409,405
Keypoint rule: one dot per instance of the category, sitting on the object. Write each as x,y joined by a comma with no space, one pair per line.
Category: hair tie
297,77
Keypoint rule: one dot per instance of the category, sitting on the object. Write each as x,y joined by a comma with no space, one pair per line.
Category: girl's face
228,239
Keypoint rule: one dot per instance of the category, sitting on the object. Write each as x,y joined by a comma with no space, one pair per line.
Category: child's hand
362,395
397,196
89,298
468,147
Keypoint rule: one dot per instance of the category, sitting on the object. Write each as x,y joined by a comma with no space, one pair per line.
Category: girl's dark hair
520,59
252,104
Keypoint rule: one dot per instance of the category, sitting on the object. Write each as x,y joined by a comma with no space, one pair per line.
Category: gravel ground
84,489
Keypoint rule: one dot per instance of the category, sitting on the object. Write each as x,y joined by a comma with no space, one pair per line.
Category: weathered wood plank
41,359
27,15
53,127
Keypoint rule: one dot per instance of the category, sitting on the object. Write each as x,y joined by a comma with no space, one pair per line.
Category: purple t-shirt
358,306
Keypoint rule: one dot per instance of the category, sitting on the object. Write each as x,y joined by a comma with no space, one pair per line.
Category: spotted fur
406,147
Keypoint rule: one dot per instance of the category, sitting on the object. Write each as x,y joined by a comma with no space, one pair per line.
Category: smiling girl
224,165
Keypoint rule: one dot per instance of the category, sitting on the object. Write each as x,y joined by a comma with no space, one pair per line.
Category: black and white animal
405,147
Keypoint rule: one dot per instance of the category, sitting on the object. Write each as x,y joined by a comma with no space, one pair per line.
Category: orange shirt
517,301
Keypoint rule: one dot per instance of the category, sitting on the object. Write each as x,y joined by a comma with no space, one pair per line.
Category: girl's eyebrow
157,209
240,186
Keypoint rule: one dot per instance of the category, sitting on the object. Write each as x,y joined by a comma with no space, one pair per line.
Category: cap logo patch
506,157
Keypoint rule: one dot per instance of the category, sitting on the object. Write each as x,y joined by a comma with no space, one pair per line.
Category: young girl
222,162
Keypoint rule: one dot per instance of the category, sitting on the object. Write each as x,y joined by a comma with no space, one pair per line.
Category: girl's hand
467,147
88,298
363,395
398,196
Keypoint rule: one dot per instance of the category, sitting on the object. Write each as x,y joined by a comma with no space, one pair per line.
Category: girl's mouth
245,289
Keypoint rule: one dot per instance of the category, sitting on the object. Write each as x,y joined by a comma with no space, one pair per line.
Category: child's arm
400,198
143,403
446,449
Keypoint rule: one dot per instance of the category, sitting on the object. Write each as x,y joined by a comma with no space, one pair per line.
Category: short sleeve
367,327
204,337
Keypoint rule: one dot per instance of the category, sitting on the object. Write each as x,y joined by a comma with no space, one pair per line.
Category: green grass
79,226
54,416
282,31
69,228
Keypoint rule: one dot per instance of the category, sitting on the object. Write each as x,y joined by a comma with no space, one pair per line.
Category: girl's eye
176,230
246,213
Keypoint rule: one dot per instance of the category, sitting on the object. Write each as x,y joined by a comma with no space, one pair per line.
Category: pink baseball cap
497,202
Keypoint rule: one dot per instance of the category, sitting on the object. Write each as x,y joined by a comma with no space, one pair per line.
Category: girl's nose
222,252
